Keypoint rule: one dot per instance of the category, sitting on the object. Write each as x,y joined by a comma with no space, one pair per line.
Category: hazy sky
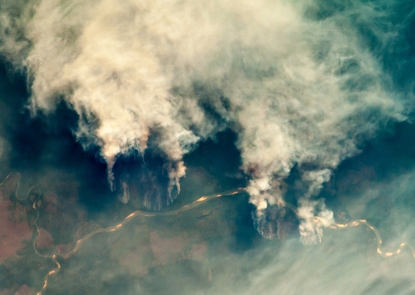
155,103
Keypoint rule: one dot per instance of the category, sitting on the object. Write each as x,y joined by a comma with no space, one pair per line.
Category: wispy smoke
298,89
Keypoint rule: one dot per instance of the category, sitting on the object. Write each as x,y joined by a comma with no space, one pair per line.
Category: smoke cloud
294,80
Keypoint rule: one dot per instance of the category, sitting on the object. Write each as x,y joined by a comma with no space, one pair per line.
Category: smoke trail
297,88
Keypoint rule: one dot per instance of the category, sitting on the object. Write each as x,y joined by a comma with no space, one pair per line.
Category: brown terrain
14,226
137,248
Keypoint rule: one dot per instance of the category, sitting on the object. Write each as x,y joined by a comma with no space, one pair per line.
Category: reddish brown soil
14,228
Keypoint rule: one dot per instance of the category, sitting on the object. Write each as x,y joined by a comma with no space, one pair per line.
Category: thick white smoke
297,91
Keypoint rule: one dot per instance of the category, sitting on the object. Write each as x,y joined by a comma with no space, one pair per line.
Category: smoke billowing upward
295,80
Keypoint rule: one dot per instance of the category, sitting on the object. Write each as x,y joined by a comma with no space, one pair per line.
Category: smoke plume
299,87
